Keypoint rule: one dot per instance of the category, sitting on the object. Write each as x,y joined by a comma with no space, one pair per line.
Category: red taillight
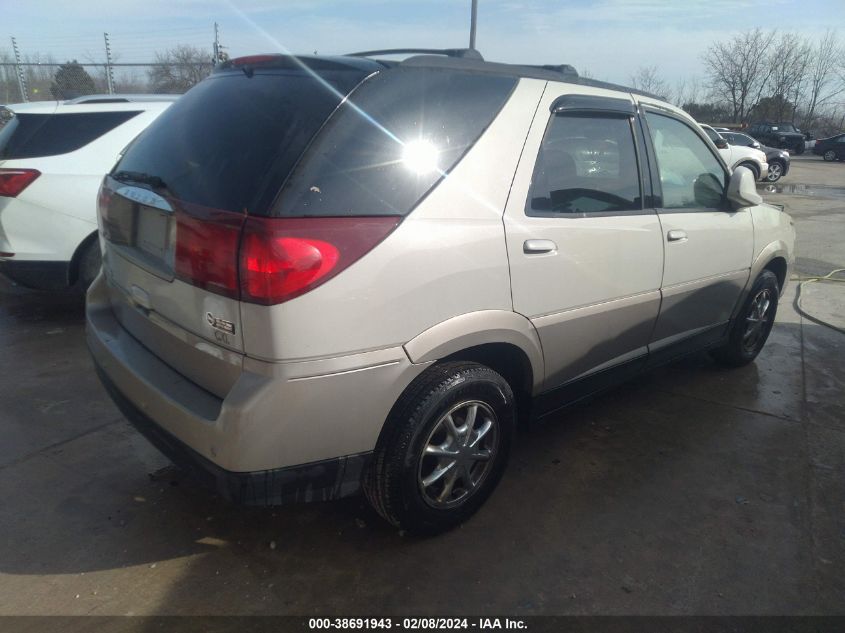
13,181
283,258
253,59
207,248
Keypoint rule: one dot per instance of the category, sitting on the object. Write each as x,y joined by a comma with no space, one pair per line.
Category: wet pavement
692,490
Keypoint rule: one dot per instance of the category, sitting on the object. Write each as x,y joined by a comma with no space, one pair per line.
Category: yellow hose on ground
829,277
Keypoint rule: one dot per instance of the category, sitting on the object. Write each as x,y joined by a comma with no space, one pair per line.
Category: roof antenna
472,22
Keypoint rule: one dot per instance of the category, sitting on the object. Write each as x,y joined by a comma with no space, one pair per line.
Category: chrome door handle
676,236
534,247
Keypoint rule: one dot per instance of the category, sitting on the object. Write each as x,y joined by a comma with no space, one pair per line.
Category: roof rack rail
465,53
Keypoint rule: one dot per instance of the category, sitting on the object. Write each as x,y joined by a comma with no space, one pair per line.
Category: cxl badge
220,324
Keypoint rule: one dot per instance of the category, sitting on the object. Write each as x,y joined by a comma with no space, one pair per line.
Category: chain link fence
39,81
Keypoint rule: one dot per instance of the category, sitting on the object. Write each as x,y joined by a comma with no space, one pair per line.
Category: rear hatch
173,209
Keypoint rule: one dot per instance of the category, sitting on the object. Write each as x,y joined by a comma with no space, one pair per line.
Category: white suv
52,158
323,274
739,155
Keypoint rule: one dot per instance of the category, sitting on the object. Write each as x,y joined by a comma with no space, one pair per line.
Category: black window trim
652,154
646,191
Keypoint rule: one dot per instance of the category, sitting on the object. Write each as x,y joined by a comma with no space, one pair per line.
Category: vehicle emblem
220,324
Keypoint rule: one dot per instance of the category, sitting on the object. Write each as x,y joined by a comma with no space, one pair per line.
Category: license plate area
152,233
147,232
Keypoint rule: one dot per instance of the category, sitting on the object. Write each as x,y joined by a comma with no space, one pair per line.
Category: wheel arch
779,267
505,341
752,165
73,270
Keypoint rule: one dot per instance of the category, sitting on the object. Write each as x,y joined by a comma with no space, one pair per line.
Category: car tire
829,155
751,328
428,473
776,169
88,265
754,169
799,148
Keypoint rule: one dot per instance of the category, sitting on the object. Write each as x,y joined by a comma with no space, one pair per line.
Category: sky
608,39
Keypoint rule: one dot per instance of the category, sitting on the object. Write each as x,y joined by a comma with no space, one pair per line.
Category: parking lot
692,490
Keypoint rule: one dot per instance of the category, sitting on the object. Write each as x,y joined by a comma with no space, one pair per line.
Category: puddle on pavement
819,191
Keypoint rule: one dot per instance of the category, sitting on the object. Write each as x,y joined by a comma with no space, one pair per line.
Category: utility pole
19,70
219,54
472,22
109,74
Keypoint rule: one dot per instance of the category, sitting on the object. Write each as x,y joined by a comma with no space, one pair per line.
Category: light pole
472,21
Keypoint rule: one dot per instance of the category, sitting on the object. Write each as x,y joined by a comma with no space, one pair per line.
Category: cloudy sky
609,39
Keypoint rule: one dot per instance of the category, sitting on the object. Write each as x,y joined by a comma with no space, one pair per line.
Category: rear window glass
391,141
230,141
35,135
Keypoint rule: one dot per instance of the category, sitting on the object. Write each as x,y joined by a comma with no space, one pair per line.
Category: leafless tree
822,82
739,69
789,58
687,90
647,79
9,91
180,68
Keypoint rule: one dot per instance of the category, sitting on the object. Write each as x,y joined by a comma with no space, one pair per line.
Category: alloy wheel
458,454
758,320
775,172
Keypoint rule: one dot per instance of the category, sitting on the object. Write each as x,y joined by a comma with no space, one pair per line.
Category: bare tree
179,69
788,57
647,79
687,90
822,81
739,69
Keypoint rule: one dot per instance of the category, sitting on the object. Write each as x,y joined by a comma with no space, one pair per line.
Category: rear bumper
39,275
282,431
319,481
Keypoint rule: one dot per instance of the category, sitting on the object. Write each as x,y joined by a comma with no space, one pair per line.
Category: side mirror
756,145
742,192
721,143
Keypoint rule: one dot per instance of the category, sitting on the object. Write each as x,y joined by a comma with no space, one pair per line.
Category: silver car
324,275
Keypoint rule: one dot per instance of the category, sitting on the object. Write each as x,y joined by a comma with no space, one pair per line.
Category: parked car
52,158
832,148
372,287
780,135
778,159
739,156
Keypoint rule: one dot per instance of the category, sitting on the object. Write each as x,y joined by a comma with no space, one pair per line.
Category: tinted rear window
230,141
391,142
35,135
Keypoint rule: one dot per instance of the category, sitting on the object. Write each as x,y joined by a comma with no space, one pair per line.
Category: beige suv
328,274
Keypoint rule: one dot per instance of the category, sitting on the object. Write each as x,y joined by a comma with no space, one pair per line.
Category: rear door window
586,164
36,135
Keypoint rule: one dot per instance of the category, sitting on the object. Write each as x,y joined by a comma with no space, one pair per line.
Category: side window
587,163
690,175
